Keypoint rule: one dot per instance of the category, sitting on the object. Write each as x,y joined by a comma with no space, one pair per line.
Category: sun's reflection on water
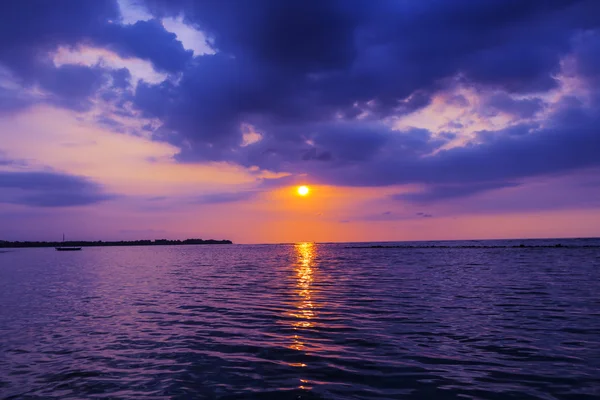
305,307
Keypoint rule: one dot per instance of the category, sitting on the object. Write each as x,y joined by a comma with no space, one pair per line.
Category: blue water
305,321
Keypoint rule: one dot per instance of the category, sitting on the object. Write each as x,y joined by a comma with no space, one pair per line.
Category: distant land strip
100,243
521,246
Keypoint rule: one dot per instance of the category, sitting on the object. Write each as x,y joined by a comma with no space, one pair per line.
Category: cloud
157,198
13,100
424,215
220,198
568,141
121,78
321,105
255,31
393,216
49,189
6,161
72,85
564,192
324,82
520,108
111,123
30,33
443,192
146,40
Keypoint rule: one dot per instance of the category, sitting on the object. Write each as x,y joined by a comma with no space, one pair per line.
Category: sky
408,120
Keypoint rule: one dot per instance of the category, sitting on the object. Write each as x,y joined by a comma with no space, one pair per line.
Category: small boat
65,248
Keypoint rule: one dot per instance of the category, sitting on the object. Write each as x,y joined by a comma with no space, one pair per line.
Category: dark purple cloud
275,32
565,192
12,100
147,40
317,78
220,198
569,141
72,86
31,31
444,192
303,89
393,216
5,161
424,215
503,103
49,189
121,78
111,123
588,55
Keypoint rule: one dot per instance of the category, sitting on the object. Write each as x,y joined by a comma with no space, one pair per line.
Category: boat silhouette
67,248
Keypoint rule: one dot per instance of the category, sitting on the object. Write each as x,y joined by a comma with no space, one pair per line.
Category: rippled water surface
304,321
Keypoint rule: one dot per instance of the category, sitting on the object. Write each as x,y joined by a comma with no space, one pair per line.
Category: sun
303,190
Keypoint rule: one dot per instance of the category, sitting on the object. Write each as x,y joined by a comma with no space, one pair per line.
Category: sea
516,319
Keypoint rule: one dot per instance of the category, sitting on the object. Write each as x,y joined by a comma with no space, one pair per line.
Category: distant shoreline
521,246
161,242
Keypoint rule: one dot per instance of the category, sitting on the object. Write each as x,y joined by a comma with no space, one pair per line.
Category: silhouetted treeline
158,242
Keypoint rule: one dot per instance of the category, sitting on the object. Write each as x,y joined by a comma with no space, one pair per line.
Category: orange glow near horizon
303,190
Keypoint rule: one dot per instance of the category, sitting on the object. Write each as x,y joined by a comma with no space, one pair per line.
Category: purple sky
409,120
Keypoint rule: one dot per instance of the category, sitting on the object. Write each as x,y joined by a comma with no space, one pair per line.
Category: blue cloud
317,78
7,161
305,90
444,192
220,198
393,216
147,40
31,31
570,140
424,215
13,100
111,123
520,108
121,78
72,85
49,189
